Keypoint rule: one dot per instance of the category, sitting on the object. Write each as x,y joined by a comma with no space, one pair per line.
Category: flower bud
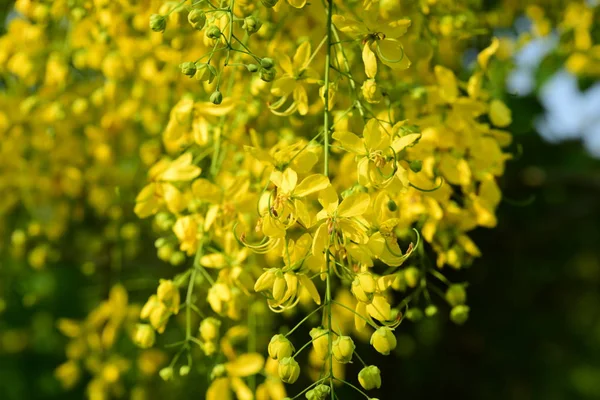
456,294
213,32
251,24
320,342
188,68
144,336
289,370
168,293
252,67
431,310
343,349
177,258
459,314
370,377
209,329
184,370
205,73
158,22
265,281
267,63
166,373
269,3
197,19
209,348
414,314
267,75
363,287
321,392
218,371
216,97
416,165
411,276
383,340
280,347
392,206
371,92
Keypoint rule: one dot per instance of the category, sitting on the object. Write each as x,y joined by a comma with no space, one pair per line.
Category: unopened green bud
411,275
251,24
392,206
414,314
213,32
216,97
184,370
166,373
218,371
197,19
269,3
416,165
205,72
456,294
252,67
188,68
158,22
177,258
160,242
267,63
165,252
370,377
320,392
459,314
267,75
431,310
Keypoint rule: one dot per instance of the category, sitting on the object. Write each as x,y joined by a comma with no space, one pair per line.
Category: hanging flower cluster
324,152
323,159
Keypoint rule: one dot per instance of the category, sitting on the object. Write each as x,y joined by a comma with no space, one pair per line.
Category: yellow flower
296,72
378,37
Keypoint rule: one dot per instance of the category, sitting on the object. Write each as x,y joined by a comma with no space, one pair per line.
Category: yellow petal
372,134
245,365
370,61
401,143
297,3
354,205
311,184
205,190
301,99
302,54
311,288
395,28
447,83
329,200
391,53
219,390
483,58
500,114
181,169
350,26
321,240
283,86
350,141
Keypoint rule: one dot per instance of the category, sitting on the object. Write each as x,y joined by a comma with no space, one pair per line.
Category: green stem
326,128
303,320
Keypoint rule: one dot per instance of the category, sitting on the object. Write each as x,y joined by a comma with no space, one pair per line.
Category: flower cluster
321,161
